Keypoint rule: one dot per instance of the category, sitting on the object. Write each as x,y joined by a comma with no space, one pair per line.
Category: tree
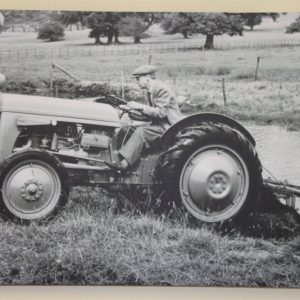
174,23
135,25
104,24
51,32
211,24
68,18
96,22
254,19
23,17
294,27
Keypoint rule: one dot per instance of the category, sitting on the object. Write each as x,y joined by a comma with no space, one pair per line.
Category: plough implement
284,190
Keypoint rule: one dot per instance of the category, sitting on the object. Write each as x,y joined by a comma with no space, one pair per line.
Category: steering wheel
134,114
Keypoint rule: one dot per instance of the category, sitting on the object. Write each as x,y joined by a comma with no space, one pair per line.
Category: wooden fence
85,51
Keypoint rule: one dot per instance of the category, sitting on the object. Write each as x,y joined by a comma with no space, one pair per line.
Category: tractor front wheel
34,185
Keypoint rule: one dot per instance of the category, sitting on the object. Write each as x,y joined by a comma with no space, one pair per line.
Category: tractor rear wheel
213,171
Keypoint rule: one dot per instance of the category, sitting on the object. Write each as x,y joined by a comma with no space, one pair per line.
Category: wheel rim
31,190
214,183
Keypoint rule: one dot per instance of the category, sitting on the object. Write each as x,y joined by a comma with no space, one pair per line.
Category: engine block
95,140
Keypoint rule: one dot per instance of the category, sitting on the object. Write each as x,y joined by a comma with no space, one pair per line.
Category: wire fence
86,51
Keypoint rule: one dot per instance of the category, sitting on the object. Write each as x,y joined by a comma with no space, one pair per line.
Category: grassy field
272,98
90,243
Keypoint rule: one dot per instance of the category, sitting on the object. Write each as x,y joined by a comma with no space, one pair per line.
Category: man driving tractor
163,111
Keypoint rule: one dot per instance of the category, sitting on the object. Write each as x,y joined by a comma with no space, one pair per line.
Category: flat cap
143,70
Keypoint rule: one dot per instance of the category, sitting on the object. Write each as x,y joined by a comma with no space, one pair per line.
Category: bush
294,27
51,32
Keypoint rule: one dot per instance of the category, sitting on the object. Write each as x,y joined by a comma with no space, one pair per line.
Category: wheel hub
217,183
31,190
214,183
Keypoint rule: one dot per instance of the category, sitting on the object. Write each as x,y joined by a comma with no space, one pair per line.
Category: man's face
143,81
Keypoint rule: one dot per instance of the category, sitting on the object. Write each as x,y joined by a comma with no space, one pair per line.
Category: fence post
51,78
122,84
224,92
257,66
149,59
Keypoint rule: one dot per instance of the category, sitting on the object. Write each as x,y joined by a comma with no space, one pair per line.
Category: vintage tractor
205,163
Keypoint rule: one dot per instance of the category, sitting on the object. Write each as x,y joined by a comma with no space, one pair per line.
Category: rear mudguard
197,119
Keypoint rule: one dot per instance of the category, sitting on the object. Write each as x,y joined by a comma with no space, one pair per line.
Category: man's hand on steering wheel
135,111
135,105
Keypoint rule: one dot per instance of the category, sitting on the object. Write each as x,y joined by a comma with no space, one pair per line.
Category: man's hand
135,105
124,107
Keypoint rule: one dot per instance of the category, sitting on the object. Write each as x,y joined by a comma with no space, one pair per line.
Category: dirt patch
272,220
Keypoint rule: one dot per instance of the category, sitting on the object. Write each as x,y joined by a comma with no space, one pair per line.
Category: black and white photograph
149,148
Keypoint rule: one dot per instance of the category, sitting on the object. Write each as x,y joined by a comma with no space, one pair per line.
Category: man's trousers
142,138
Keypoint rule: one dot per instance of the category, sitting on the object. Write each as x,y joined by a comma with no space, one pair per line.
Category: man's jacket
163,107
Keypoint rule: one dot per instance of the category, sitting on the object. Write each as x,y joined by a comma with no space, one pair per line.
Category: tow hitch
284,190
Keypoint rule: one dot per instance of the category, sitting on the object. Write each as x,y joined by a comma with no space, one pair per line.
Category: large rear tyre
34,186
213,172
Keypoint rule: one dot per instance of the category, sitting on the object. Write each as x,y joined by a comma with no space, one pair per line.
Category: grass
272,98
90,244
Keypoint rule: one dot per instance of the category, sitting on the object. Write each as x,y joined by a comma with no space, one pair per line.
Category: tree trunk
116,34
97,39
137,40
110,36
209,42
185,35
